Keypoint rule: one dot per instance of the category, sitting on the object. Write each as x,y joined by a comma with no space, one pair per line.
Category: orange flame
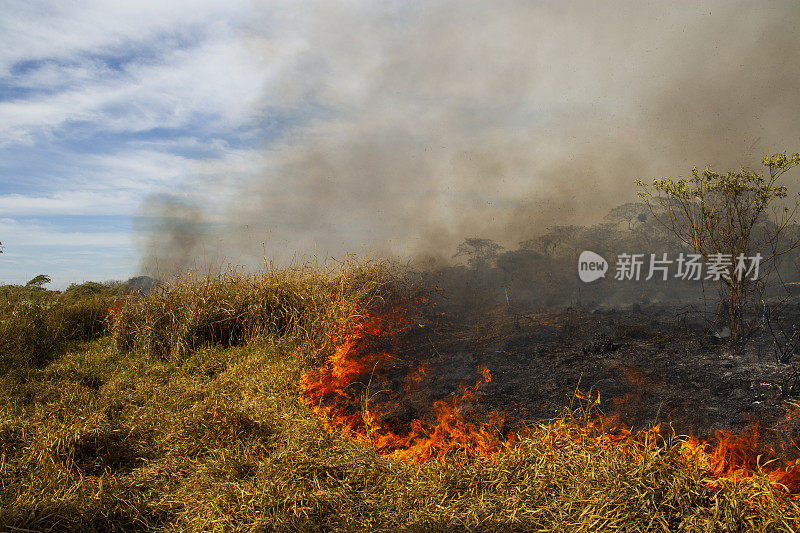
364,351
115,307
735,457
359,358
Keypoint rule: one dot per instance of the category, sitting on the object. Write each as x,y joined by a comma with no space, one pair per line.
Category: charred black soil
648,365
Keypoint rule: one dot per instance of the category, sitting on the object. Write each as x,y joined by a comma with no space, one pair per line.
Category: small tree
631,214
716,213
480,253
39,281
561,240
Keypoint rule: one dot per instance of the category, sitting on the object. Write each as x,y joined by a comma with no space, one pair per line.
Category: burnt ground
647,364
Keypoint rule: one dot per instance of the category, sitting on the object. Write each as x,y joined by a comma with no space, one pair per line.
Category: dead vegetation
232,309
188,418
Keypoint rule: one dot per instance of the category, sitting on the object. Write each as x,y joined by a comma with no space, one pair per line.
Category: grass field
184,415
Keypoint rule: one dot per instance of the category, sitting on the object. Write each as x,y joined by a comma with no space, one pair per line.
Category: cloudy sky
105,103
155,136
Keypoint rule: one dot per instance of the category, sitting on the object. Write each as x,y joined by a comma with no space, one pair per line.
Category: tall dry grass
180,430
233,308
219,442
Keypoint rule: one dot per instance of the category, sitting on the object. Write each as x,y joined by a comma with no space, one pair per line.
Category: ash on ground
648,365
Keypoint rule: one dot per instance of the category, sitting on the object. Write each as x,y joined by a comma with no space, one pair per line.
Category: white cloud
217,80
117,183
42,30
17,234
66,203
78,70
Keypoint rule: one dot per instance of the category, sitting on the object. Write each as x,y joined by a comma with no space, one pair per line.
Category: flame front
365,352
360,359
737,457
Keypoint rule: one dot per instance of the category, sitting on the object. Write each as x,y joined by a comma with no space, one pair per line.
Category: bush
81,318
232,308
37,324
25,337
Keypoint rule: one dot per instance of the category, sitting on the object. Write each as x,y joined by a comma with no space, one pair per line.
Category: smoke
413,125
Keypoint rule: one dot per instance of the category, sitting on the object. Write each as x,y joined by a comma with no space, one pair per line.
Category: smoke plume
405,127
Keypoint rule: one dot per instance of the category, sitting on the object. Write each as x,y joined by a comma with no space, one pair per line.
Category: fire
362,357
449,432
114,308
365,353
735,457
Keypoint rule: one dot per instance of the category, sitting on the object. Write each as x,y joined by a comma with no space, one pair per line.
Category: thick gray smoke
417,124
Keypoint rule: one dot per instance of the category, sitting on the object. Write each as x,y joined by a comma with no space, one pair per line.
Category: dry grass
232,309
175,435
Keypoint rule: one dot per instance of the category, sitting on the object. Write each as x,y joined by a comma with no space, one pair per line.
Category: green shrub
36,324
26,335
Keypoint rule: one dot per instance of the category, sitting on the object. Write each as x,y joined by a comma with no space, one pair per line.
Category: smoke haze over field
402,128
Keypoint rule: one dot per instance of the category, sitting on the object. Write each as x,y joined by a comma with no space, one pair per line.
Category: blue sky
105,103
141,134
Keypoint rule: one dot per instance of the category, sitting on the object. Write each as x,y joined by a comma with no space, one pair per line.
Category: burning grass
189,429
365,352
329,392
